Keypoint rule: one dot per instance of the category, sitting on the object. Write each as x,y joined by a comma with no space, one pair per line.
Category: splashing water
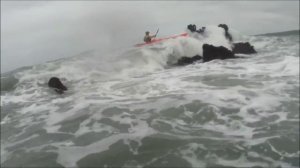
133,109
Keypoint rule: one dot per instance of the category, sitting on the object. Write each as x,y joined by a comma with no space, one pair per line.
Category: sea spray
133,109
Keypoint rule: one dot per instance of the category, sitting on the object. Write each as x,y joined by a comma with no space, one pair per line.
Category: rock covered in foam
227,34
188,60
211,52
193,28
243,48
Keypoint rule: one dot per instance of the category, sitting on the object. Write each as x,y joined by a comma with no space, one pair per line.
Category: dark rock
224,26
227,34
192,27
55,83
201,30
211,52
243,48
188,60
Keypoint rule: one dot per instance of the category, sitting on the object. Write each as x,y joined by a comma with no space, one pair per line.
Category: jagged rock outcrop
193,28
211,52
227,34
188,60
243,48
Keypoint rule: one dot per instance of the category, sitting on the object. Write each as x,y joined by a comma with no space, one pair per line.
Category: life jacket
147,39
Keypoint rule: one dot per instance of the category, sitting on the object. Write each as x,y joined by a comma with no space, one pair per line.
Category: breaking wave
133,108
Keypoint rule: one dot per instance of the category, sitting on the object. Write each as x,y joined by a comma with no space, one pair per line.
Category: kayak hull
158,40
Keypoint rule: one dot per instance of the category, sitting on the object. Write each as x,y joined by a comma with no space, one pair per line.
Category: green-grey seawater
141,113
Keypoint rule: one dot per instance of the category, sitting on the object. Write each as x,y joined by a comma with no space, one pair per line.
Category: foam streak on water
135,110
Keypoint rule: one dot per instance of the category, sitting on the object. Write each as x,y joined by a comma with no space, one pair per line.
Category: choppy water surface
140,112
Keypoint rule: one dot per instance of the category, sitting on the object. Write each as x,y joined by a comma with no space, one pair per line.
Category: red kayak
157,40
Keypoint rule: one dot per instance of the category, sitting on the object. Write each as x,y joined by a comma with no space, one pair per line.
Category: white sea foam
222,100
68,156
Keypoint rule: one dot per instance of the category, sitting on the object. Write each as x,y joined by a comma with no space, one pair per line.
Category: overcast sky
33,32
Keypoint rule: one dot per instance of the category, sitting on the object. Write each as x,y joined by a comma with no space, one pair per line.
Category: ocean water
132,108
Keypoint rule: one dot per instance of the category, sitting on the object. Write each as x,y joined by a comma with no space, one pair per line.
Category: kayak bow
158,40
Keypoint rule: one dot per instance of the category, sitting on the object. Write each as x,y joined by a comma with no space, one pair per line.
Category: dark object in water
227,35
188,60
243,48
55,83
201,30
192,27
211,52
224,26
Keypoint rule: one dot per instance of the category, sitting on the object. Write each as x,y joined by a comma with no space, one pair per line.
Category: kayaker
147,37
